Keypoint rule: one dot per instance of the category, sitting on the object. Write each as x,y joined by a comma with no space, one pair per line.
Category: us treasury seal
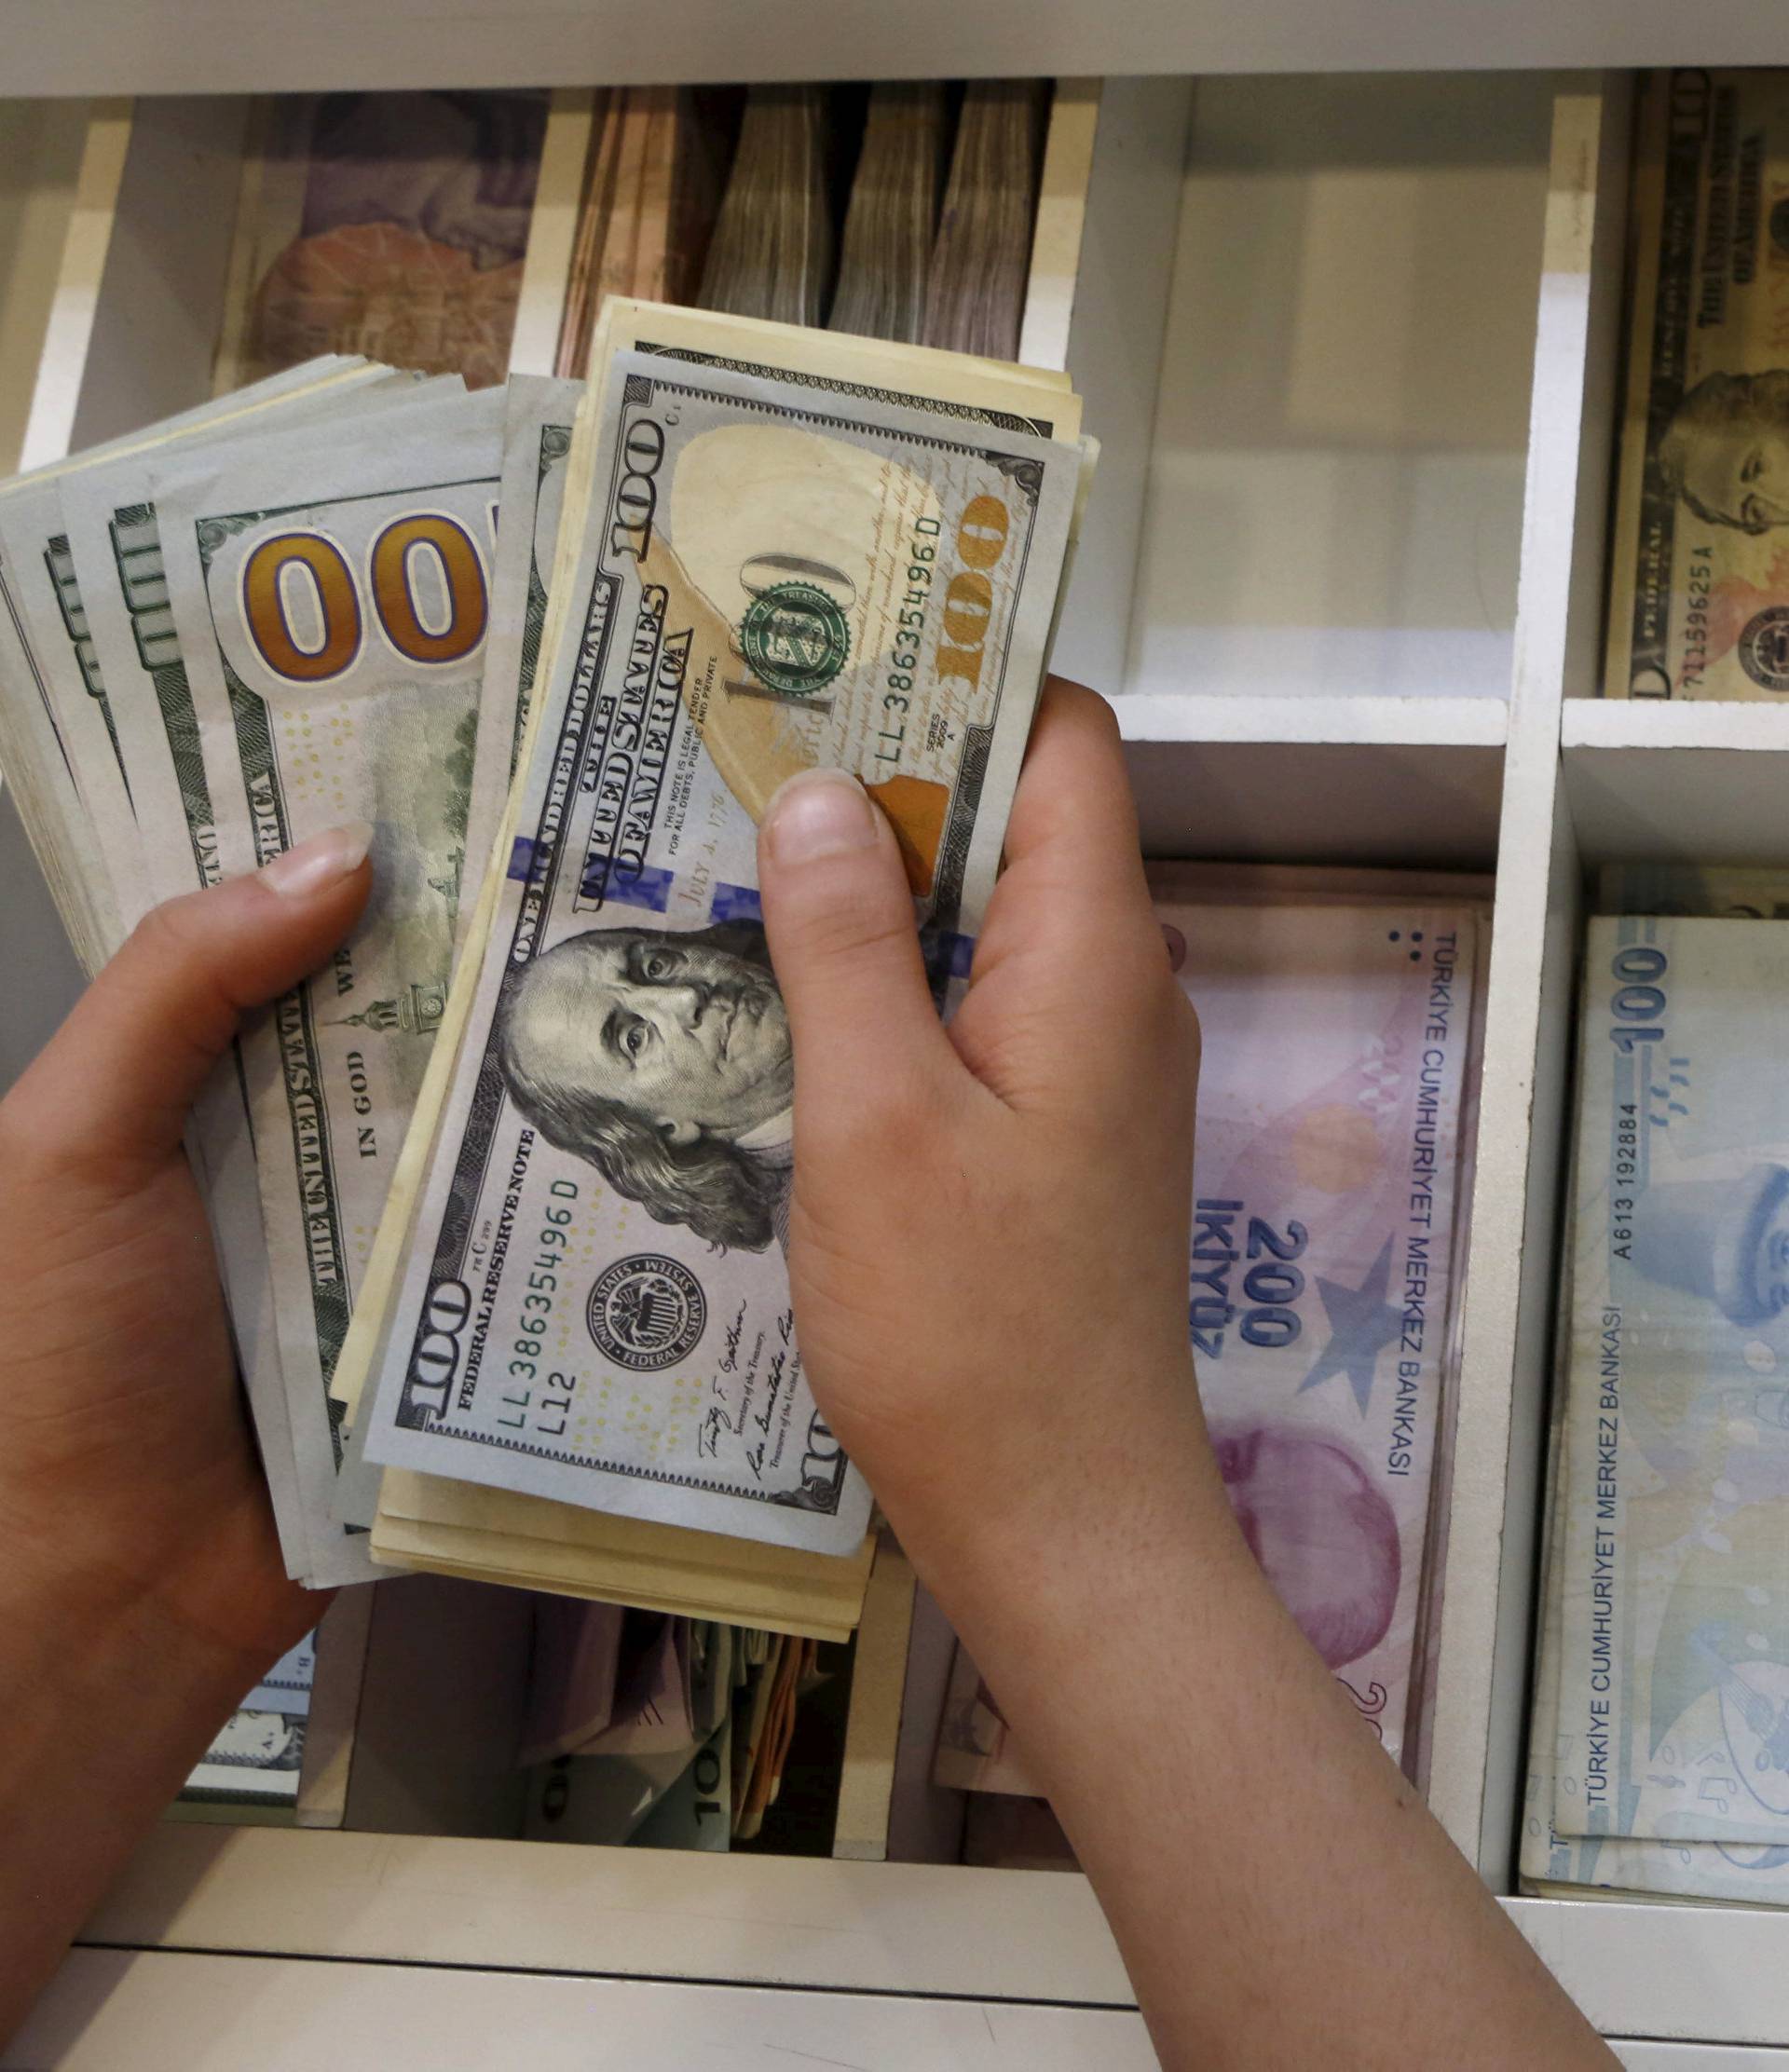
1763,648
795,638
646,1312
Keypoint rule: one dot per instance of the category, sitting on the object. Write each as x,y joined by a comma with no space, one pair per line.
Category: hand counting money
772,575
502,1191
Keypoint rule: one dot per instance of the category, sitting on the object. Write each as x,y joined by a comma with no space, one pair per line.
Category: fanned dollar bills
558,646
1698,600
1329,1192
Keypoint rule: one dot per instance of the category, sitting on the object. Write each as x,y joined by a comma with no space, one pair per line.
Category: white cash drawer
1352,346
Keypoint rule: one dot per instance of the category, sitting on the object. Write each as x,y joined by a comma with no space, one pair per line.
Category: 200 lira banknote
1323,1221
1326,1191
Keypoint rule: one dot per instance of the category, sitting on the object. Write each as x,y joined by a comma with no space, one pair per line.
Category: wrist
89,1641
205,1588
1059,1535
110,1702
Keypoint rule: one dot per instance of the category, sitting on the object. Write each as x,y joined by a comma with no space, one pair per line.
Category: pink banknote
1319,1295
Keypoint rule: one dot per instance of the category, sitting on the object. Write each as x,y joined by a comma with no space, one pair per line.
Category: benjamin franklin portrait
663,1058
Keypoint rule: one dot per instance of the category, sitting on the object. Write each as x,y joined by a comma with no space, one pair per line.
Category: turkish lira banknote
1672,1551
772,571
1322,1285
1699,603
1555,1861
977,1750
394,224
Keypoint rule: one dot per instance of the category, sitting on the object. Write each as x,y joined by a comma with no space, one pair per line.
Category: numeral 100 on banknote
425,577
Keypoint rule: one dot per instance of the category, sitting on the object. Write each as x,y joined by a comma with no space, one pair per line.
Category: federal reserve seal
646,1312
1763,648
795,638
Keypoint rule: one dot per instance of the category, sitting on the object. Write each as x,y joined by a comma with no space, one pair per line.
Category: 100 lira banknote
1673,1549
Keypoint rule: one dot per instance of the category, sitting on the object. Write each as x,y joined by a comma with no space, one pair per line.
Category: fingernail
318,862
818,813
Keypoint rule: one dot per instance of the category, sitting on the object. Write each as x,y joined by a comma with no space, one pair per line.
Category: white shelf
250,45
168,2013
1363,721
1632,723
189,2014
880,1927
1718,1974
1335,492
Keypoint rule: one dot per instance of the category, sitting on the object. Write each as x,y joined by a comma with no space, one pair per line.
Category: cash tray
1352,347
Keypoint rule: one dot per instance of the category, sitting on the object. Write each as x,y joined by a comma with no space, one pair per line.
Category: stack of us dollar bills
500,1194
1659,1756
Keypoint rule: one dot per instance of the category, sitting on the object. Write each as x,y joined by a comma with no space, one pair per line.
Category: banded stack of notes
663,1732
672,1732
500,1194
1659,1752
420,228
253,1768
1332,1173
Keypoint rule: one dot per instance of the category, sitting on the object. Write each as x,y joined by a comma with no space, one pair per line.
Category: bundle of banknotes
400,225
500,1194
1659,1752
664,1732
1331,1197
256,1756
1698,604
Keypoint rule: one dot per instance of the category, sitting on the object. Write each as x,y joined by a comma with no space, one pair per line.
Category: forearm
107,1707
1280,1893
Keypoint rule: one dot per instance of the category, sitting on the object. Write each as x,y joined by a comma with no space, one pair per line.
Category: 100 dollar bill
330,601
775,572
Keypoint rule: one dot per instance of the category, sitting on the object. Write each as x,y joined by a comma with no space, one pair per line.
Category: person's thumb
839,918
111,1089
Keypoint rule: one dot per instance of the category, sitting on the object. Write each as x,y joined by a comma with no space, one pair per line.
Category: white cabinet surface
127,2011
